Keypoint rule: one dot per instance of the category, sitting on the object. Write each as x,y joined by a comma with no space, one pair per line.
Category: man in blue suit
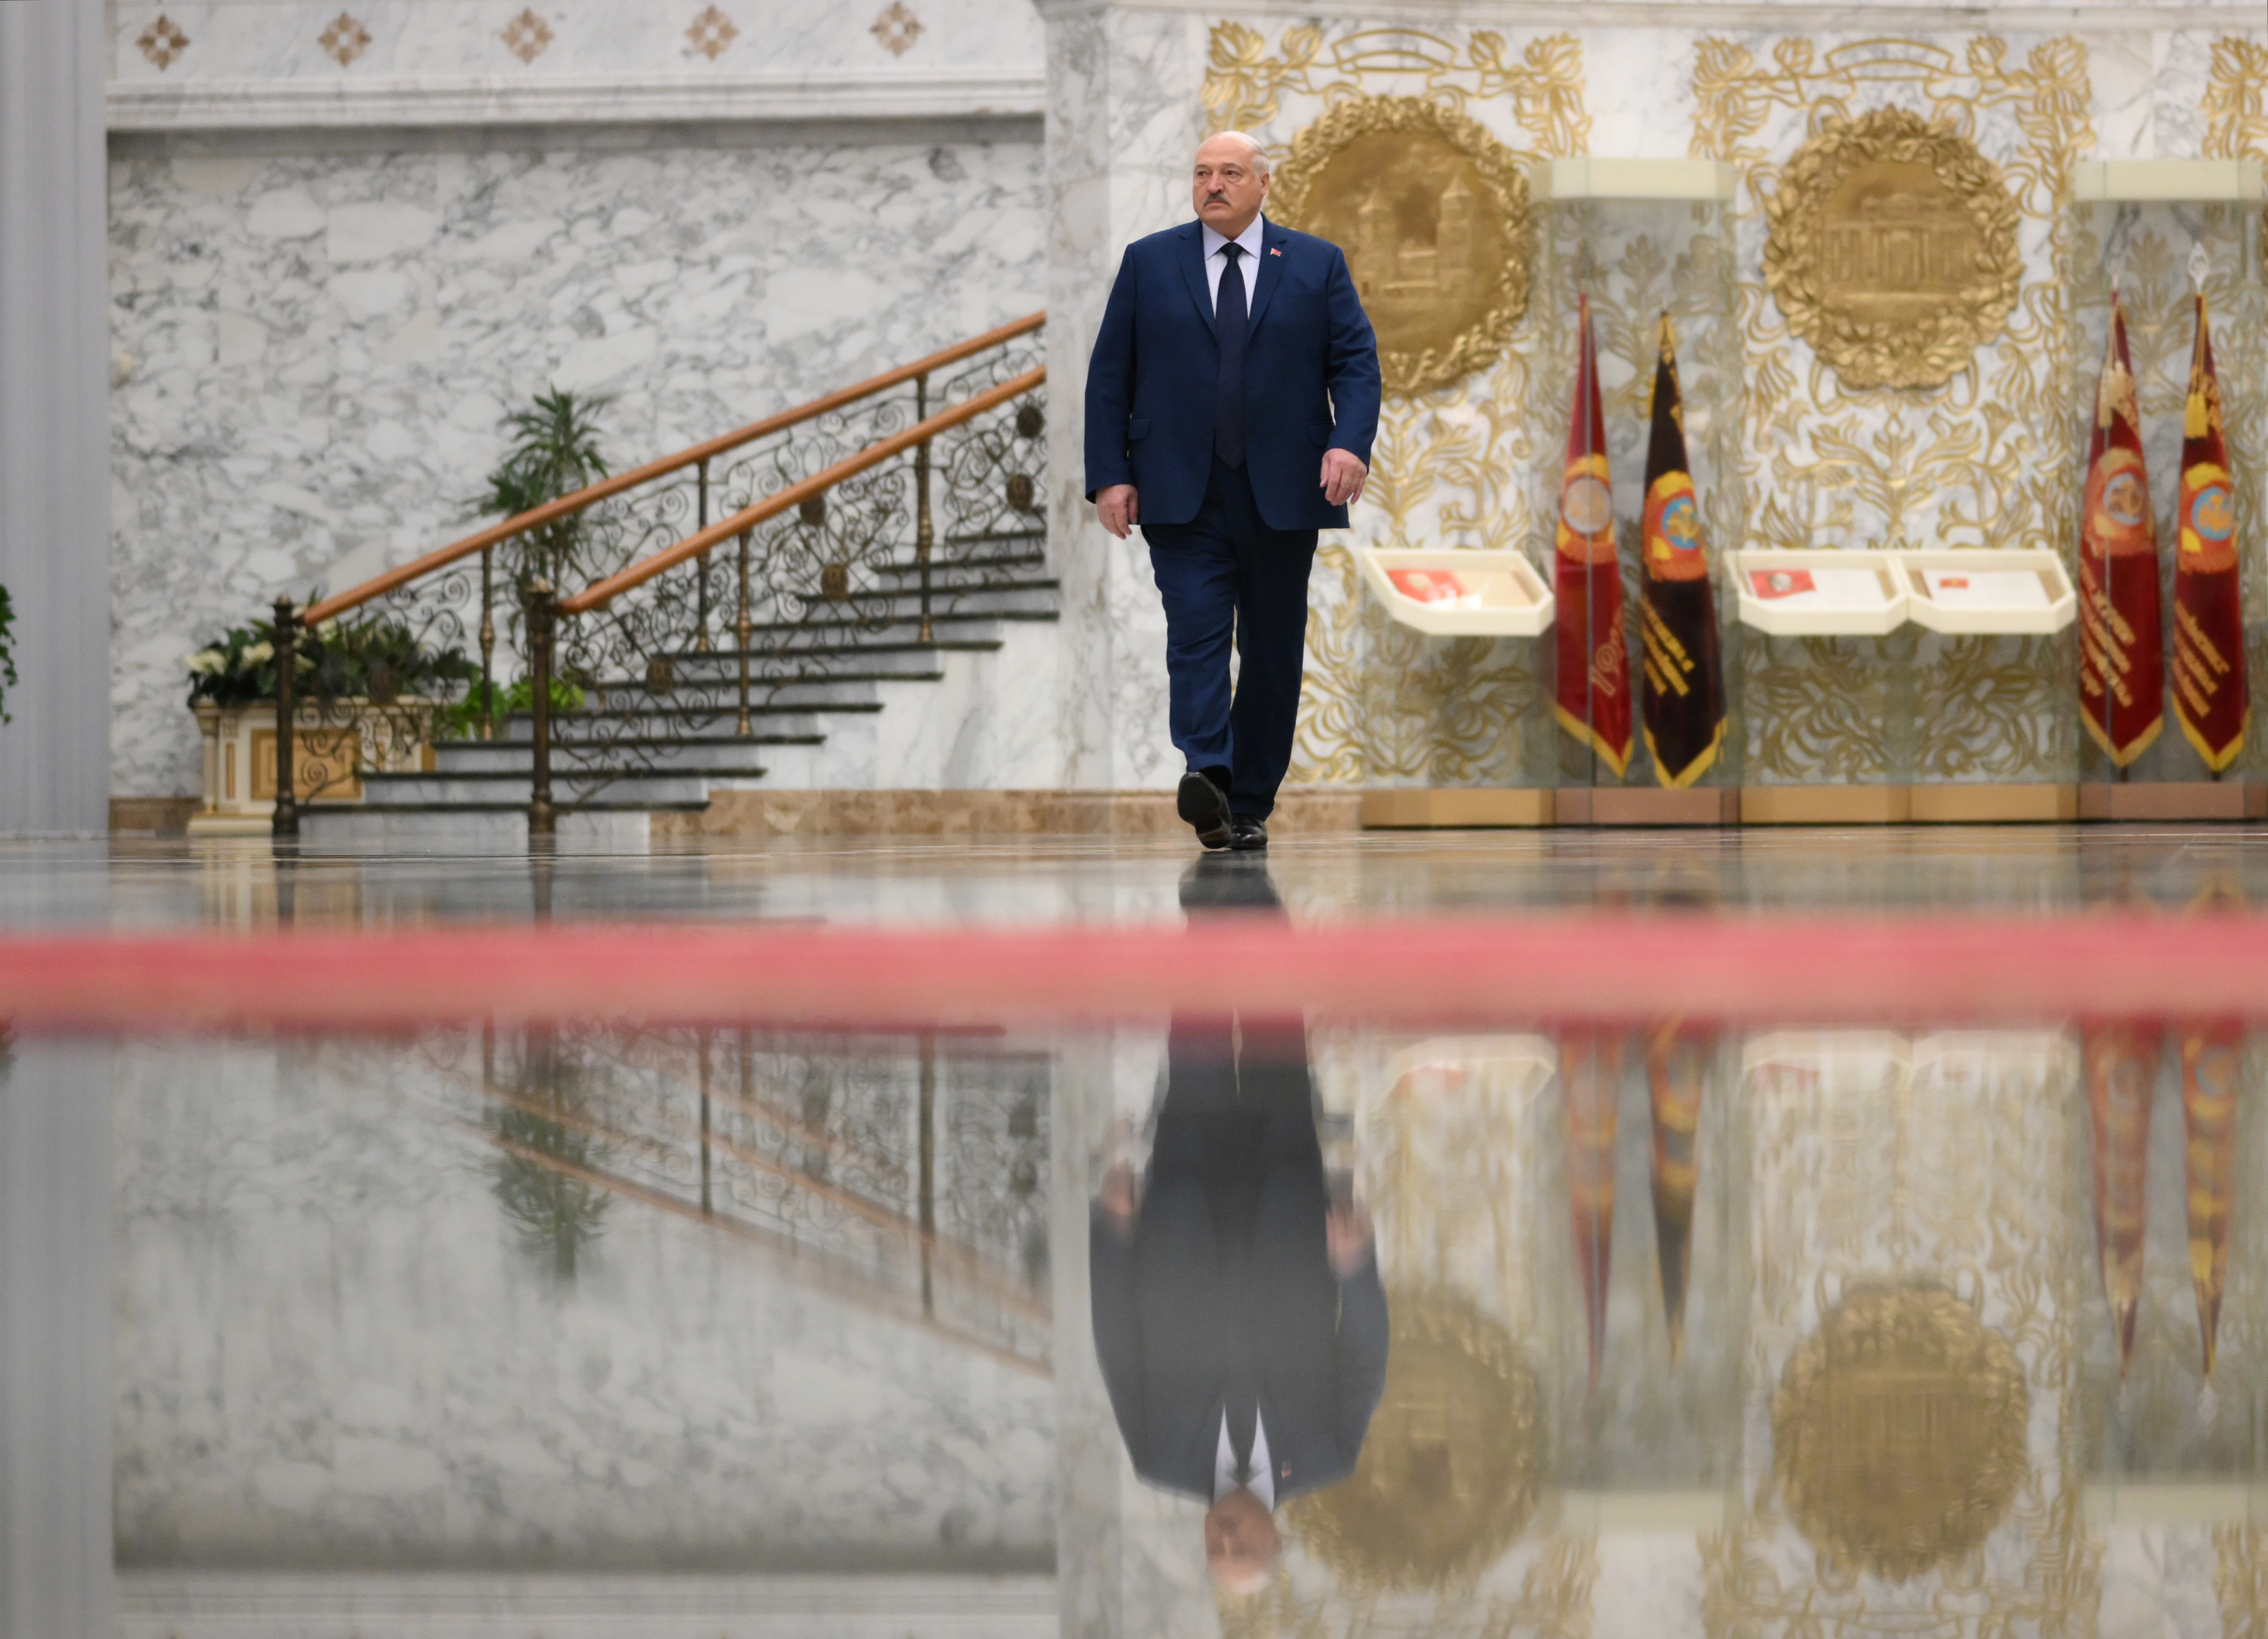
1231,403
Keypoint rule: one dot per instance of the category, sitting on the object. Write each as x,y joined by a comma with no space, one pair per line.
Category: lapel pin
1272,251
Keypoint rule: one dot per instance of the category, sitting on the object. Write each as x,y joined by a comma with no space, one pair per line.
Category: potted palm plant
367,693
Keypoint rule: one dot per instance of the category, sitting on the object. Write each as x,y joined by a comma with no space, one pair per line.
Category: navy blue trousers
1225,577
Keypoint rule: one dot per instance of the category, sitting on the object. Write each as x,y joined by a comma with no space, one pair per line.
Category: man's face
1241,1542
1225,187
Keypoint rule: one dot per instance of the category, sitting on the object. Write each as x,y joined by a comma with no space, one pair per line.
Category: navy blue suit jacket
1311,378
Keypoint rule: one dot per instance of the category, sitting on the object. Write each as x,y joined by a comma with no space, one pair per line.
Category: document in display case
1451,593
1820,593
1956,590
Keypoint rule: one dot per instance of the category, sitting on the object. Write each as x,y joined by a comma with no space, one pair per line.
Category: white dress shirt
1262,1484
1248,266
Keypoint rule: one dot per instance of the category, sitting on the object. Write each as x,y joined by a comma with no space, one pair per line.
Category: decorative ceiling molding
236,104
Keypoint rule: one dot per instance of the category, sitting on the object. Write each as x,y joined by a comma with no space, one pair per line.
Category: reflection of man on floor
1238,1314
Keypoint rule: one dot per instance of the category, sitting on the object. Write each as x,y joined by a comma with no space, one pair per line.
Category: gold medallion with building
1452,1469
1891,247
1898,1431
1432,211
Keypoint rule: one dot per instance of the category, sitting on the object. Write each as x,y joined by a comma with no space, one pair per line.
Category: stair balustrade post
542,626
925,533
488,644
745,629
286,632
701,522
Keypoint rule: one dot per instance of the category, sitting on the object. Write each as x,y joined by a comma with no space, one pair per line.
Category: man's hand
1346,1232
1120,508
1343,476
1119,1199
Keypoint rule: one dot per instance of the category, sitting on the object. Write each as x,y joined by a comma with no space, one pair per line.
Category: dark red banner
1593,698
2209,697
2122,683
1677,616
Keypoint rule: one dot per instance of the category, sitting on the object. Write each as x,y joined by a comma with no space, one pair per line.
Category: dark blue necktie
1228,313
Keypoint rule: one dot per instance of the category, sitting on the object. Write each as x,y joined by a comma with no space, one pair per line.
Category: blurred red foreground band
1761,971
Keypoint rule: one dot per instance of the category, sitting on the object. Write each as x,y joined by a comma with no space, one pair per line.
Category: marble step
623,787
714,756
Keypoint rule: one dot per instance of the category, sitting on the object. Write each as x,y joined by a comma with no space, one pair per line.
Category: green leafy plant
375,658
461,720
7,653
554,452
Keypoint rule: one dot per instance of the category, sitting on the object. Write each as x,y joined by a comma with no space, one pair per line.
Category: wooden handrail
417,568
600,593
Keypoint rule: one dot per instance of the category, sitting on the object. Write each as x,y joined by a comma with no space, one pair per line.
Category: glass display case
1641,681
2161,234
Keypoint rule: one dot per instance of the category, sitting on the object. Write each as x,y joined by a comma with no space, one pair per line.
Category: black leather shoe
1204,806
1247,836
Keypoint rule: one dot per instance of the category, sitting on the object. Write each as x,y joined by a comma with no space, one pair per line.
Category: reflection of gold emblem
1449,1471
1431,212
1898,1431
1892,249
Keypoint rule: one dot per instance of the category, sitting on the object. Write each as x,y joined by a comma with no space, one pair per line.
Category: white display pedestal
1459,593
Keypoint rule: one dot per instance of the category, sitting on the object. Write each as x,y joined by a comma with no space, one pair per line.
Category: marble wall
313,351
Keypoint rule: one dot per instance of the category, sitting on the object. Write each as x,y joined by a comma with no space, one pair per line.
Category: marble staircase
642,747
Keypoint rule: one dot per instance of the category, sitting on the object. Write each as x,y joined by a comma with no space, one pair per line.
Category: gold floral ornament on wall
1891,247
1452,1467
162,41
711,32
897,29
1432,211
345,39
527,36
1898,1431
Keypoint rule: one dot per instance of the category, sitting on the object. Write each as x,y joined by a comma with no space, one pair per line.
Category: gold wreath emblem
1891,247
1431,212
1450,1468
1898,1431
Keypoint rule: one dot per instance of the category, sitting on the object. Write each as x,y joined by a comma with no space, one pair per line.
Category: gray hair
1259,155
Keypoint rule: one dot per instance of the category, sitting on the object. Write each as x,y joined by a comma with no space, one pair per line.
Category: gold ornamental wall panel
1455,462
1891,247
1432,213
1840,449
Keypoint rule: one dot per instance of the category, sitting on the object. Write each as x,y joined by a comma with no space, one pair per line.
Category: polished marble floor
1550,1329
2045,869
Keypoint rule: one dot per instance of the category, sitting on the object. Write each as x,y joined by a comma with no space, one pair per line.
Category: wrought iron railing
840,515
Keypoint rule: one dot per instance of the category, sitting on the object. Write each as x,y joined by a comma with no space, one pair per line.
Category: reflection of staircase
633,750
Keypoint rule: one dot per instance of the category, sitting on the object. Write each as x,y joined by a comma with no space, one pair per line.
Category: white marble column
56,1402
1124,112
54,551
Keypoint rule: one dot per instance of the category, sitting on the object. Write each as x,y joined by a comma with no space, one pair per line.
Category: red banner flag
2210,699
2122,1074
1676,1072
2211,1056
1593,694
1590,1078
1677,611
2121,662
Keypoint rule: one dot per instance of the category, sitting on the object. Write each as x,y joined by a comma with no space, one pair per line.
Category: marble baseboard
2175,799
154,816
1132,814
163,1605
